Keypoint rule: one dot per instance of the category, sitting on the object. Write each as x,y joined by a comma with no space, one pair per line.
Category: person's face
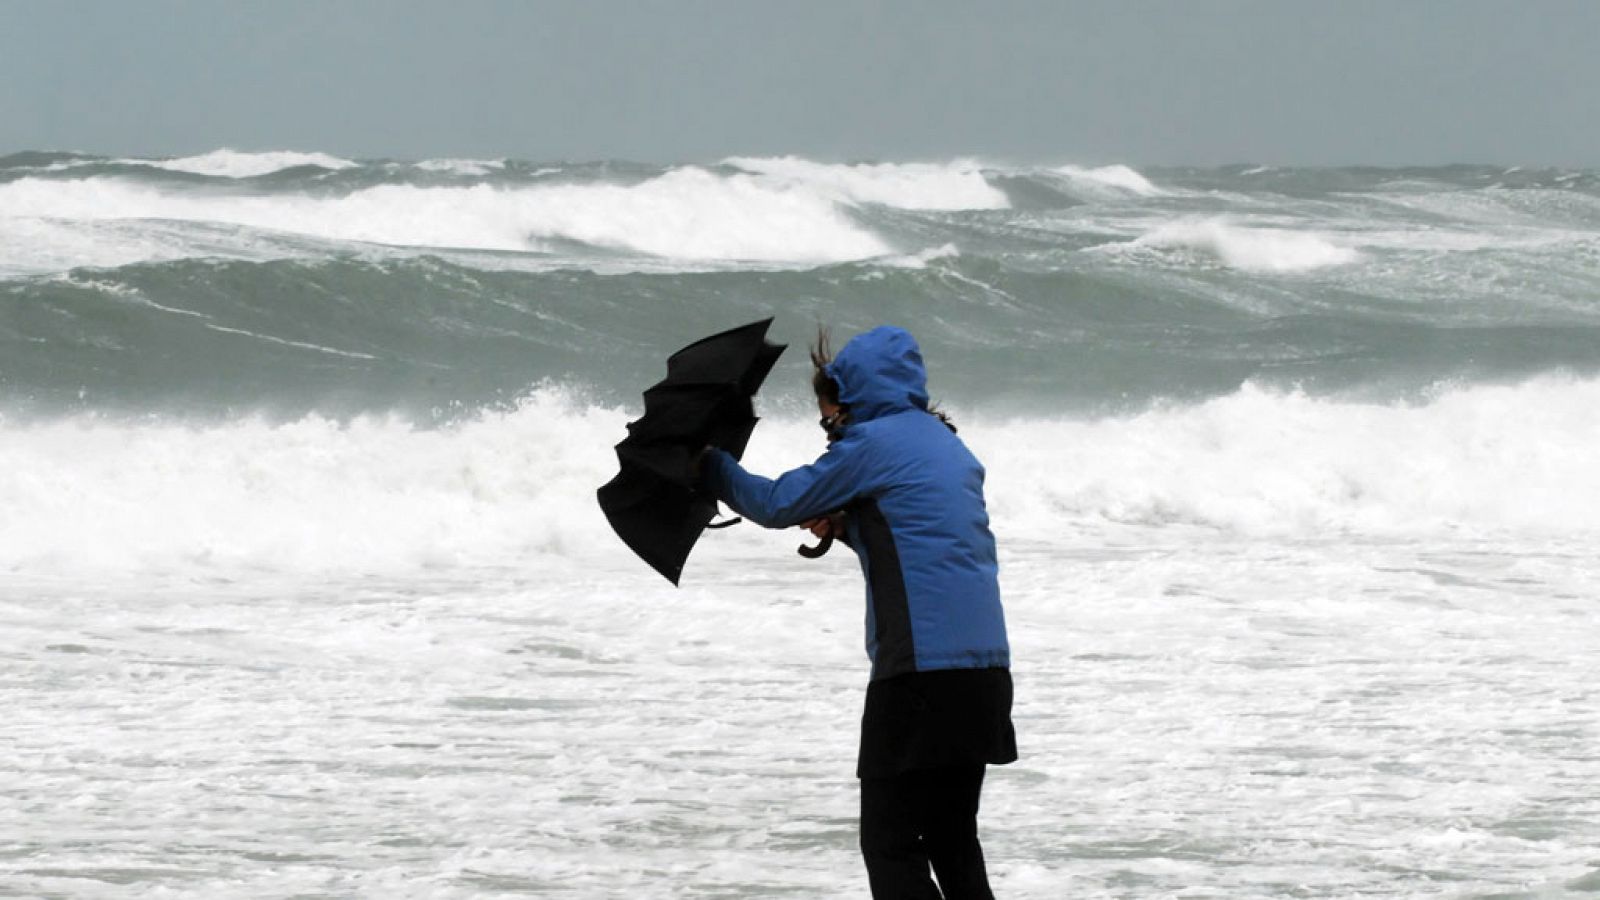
830,413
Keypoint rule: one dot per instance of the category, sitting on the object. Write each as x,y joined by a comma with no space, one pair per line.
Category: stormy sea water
304,590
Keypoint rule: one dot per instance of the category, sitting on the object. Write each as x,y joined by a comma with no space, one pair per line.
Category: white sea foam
921,259
1475,460
31,246
226,163
1338,641
938,186
378,495
470,167
691,213
687,213
1114,176
375,495
1503,212
1249,248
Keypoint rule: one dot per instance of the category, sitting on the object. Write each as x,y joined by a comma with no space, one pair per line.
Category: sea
304,591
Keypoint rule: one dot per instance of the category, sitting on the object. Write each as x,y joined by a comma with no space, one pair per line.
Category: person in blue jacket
901,489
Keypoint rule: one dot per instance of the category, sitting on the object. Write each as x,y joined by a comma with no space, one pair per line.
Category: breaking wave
227,163
769,211
931,186
1119,177
380,286
379,494
467,167
689,213
1479,460
1249,248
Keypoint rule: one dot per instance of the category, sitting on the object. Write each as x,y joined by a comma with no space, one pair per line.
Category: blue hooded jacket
914,495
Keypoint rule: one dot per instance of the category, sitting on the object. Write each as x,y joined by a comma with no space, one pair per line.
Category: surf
514,487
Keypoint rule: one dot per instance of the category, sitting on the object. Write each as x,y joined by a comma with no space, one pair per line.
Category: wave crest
515,488
1118,176
931,186
1250,248
226,163
688,213
1483,460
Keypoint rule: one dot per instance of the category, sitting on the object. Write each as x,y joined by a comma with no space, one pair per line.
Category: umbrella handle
823,546
725,522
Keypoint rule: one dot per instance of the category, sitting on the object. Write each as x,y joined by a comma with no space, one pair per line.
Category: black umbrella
705,399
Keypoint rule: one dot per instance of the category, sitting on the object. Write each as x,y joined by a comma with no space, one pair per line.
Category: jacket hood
880,372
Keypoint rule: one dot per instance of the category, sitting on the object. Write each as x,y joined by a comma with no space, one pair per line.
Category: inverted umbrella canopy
652,504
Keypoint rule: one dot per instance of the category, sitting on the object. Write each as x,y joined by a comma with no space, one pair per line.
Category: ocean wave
1249,248
921,259
226,163
50,246
692,213
370,495
756,212
515,488
1119,177
929,186
467,167
1499,210
423,330
1472,460
688,213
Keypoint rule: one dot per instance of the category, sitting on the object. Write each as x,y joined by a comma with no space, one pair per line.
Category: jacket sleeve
822,487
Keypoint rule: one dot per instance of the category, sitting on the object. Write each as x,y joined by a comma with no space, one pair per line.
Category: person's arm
795,496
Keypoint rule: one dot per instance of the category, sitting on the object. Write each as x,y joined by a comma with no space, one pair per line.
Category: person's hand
825,529
831,525
821,526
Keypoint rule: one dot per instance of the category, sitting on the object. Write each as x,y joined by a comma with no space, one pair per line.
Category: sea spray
382,495
1480,461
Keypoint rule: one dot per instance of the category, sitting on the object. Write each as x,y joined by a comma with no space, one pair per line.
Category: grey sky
1326,82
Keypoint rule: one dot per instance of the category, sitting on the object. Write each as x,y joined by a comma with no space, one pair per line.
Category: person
902,490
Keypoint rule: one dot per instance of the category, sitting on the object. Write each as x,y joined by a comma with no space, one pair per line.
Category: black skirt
929,720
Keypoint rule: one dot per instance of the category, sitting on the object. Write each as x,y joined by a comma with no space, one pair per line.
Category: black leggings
925,817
